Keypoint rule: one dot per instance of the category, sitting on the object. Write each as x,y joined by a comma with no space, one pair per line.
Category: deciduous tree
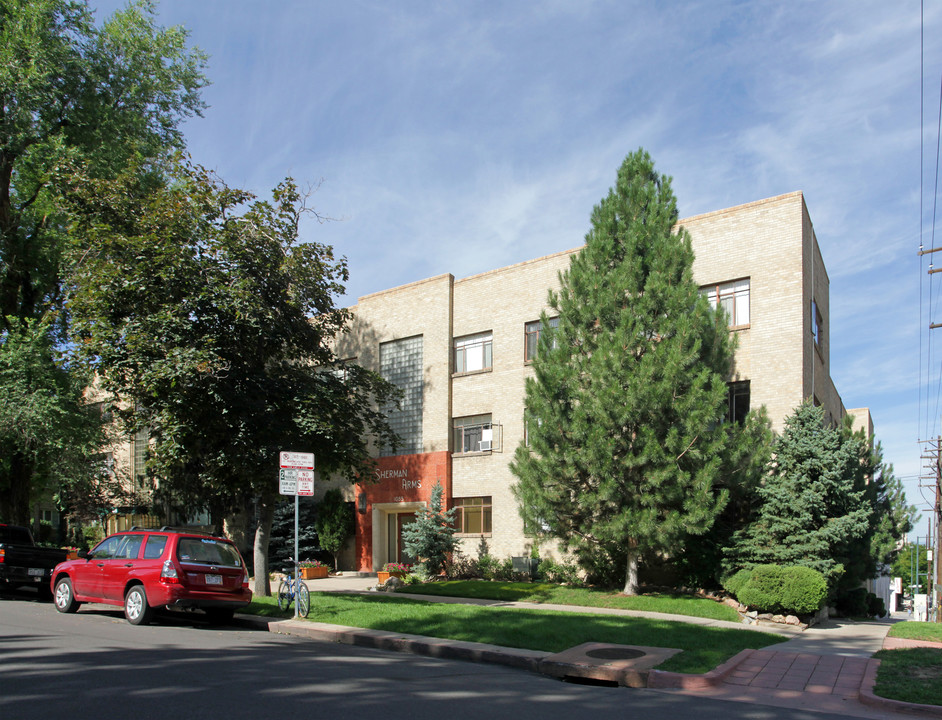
72,94
201,308
334,522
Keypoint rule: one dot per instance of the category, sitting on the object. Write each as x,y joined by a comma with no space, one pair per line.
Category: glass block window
400,363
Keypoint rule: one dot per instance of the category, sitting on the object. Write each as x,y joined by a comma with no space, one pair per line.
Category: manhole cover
614,653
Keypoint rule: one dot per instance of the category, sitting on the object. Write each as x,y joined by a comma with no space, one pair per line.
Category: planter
314,573
71,555
382,576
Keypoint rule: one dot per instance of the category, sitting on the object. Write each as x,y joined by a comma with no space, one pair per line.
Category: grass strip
548,593
552,631
911,630
912,675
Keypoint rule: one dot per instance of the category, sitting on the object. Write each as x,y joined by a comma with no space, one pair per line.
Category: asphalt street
94,664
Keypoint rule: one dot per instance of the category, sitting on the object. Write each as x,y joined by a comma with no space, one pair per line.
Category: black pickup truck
22,562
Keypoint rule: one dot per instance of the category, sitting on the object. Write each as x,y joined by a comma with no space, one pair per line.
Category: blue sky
464,136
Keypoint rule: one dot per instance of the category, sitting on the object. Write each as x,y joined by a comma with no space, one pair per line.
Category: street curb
531,660
415,644
668,679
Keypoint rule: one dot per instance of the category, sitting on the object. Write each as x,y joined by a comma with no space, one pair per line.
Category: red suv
145,569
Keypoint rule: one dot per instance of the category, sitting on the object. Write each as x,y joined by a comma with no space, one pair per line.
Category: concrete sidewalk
827,668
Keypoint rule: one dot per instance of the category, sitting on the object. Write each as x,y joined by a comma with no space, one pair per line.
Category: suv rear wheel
136,609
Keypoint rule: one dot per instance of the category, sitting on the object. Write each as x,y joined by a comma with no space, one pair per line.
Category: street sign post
296,477
288,482
305,482
298,460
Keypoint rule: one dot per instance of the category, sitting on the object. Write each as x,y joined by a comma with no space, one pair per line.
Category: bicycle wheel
304,599
284,595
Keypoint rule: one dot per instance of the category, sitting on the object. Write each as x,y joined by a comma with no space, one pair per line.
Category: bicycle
292,588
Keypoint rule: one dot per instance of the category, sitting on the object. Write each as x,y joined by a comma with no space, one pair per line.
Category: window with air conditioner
474,433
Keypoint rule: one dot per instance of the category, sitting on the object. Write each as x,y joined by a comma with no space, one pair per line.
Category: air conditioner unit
484,445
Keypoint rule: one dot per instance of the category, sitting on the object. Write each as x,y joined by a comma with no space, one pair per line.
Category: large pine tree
625,410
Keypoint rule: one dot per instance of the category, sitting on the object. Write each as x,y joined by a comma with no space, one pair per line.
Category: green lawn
583,597
917,631
912,675
703,647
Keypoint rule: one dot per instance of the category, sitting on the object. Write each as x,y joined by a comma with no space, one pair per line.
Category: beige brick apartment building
460,349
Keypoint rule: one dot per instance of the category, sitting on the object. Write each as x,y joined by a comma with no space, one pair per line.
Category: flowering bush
311,564
394,567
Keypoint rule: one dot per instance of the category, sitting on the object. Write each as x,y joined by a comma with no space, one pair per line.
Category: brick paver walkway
800,672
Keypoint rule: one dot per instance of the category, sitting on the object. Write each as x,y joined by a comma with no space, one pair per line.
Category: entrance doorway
396,548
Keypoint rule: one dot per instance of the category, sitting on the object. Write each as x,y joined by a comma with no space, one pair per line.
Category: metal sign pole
294,465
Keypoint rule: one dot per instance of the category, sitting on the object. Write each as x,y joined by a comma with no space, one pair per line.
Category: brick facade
769,242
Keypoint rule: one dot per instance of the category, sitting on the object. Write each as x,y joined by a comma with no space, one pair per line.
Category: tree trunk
262,536
14,500
631,578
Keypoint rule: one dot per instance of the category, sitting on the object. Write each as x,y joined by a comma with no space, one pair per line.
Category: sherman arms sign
400,474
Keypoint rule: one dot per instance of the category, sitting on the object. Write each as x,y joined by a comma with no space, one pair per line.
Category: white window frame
733,297
474,353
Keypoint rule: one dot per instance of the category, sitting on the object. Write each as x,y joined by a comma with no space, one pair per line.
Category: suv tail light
245,579
168,575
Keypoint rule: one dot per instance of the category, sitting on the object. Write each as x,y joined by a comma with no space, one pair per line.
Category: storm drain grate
614,653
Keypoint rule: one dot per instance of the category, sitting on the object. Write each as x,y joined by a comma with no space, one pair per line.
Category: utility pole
932,480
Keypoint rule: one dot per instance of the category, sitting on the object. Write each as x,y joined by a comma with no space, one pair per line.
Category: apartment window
103,411
532,331
473,434
400,362
473,516
738,395
342,369
817,323
474,353
733,297
139,458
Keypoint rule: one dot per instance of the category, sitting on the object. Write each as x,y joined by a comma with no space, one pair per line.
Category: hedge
772,588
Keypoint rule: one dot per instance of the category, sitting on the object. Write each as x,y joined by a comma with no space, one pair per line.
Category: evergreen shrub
734,583
852,603
875,606
563,573
773,588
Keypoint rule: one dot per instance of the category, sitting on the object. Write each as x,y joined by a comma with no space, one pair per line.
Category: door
403,519
87,579
116,569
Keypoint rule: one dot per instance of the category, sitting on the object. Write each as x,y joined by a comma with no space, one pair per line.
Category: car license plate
214,579
36,572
